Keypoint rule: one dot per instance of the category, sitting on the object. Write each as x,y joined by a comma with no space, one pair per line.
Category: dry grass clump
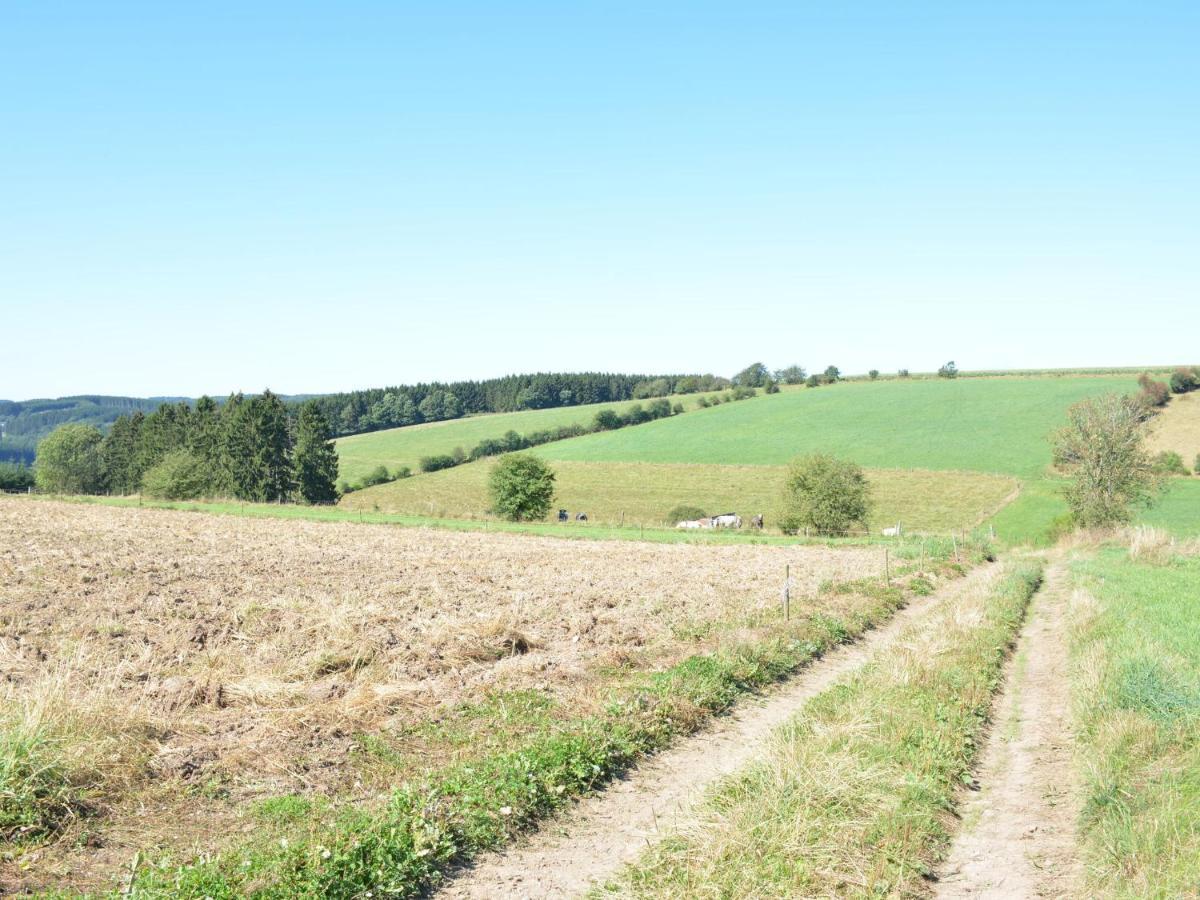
1158,547
214,660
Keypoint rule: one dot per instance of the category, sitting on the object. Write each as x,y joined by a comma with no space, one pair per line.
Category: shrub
754,375
345,487
873,374
903,373
178,476
813,381
512,441
684,513
1168,462
1196,464
791,375
14,477
487,447
677,408
437,462
521,487
402,472
378,475
1184,380
742,393
825,495
702,403
832,374
660,409
635,415
1154,393
772,387
948,370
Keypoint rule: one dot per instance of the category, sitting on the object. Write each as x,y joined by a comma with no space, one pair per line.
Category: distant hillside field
395,447
974,424
643,493
949,434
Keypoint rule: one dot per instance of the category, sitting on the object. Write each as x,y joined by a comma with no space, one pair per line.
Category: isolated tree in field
824,495
754,375
813,380
832,374
316,459
873,374
521,487
948,370
69,461
1101,449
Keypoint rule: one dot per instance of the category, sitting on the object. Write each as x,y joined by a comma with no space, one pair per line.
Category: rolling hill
941,454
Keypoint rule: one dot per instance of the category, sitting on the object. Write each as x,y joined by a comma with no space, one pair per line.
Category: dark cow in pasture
581,517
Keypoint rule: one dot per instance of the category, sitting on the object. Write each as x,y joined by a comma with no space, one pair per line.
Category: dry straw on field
170,648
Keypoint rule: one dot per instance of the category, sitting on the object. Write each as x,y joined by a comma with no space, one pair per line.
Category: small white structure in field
894,531
695,523
727,520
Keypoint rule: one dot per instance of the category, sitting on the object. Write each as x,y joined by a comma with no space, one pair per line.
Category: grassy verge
404,843
854,797
1136,664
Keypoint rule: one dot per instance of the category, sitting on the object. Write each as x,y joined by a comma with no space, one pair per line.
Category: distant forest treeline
393,407
26,423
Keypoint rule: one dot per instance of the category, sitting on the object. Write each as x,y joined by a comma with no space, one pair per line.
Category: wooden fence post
787,592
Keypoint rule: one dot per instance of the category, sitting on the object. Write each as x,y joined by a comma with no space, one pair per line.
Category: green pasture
1136,647
995,425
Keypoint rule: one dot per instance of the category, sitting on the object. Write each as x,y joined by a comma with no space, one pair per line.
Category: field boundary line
591,840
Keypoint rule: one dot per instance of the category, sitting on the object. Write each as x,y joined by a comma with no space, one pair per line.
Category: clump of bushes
14,477
179,475
949,370
813,380
1185,380
1154,393
437,462
684,512
1168,462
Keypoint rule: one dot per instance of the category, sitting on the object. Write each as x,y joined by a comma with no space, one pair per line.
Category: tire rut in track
594,838
1020,838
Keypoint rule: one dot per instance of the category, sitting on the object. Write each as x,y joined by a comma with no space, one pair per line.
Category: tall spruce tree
315,457
119,450
273,448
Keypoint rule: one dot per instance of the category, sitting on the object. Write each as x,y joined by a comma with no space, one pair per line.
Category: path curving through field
593,839
1019,840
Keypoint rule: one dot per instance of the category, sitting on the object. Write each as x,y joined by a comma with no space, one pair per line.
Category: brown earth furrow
594,838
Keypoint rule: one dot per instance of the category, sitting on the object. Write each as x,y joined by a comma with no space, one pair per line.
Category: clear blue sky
322,196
